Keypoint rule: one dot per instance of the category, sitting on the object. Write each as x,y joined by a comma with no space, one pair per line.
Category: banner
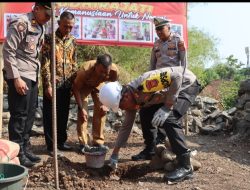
109,23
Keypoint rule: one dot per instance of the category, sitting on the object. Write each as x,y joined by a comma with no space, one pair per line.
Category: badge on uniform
33,22
181,45
21,27
171,45
31,46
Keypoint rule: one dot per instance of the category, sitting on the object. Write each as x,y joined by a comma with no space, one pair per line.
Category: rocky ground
225,165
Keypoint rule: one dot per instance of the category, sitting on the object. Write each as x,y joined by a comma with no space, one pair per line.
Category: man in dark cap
21,68
46,5
168,51
159,22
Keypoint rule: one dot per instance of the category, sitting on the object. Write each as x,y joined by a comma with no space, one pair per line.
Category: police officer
168,51
157,90
21,67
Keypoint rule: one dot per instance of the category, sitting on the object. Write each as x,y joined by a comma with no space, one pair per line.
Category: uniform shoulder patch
177,35
181,45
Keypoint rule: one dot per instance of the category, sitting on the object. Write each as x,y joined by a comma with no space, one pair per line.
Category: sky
228,22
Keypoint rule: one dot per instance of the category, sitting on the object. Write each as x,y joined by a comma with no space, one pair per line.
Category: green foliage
228,70
229,91
210,75
201,51
134,60
202,48
89,52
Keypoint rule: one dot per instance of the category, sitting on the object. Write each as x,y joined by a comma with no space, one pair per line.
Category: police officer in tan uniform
158,90
168,51
21,67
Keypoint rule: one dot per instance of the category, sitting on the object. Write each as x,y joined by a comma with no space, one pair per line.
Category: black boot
24,161
184,170
32,157
29,154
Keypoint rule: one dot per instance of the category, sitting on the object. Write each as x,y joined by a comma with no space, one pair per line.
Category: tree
134,59
228,70
201,51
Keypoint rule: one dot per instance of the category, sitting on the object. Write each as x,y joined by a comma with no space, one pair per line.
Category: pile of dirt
212,90
79,176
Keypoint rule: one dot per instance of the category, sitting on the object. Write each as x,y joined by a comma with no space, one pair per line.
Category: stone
247,117
209,100
247,107
156,163
169,166
167,155
136,129
196,113
159,148
245,86
231,110
195,164
116,125
196,124
210,129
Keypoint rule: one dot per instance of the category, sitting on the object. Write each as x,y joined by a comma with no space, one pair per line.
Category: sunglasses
159,28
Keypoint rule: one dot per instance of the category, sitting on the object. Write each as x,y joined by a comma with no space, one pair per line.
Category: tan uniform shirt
86,77
21,48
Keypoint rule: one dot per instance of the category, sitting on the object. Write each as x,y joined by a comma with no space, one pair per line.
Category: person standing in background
66,68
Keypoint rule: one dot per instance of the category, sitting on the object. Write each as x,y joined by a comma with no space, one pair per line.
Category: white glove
160,116
113,161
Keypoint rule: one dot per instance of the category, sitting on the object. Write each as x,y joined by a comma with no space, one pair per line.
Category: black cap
44,4
160,22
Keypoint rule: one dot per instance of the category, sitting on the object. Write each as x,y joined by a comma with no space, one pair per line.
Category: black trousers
62,111
22,112
172,125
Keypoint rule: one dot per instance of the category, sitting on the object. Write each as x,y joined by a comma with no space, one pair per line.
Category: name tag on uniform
32,33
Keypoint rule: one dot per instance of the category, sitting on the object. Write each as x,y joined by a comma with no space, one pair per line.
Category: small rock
114,177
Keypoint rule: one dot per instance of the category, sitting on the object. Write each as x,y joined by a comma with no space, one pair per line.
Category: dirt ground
225,165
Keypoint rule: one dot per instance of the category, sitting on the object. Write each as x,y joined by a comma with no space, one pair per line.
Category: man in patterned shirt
66,67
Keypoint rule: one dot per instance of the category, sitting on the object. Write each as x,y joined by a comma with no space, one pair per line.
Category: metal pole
1,90
247,53
54,123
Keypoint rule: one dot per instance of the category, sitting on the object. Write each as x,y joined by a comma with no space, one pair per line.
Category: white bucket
95,159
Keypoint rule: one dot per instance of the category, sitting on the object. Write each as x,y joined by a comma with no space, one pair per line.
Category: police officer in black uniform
21,67
168,51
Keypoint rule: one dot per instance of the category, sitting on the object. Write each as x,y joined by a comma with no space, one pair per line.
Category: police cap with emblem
46,5
159,22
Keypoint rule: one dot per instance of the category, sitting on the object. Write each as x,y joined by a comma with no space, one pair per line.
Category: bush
229,92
